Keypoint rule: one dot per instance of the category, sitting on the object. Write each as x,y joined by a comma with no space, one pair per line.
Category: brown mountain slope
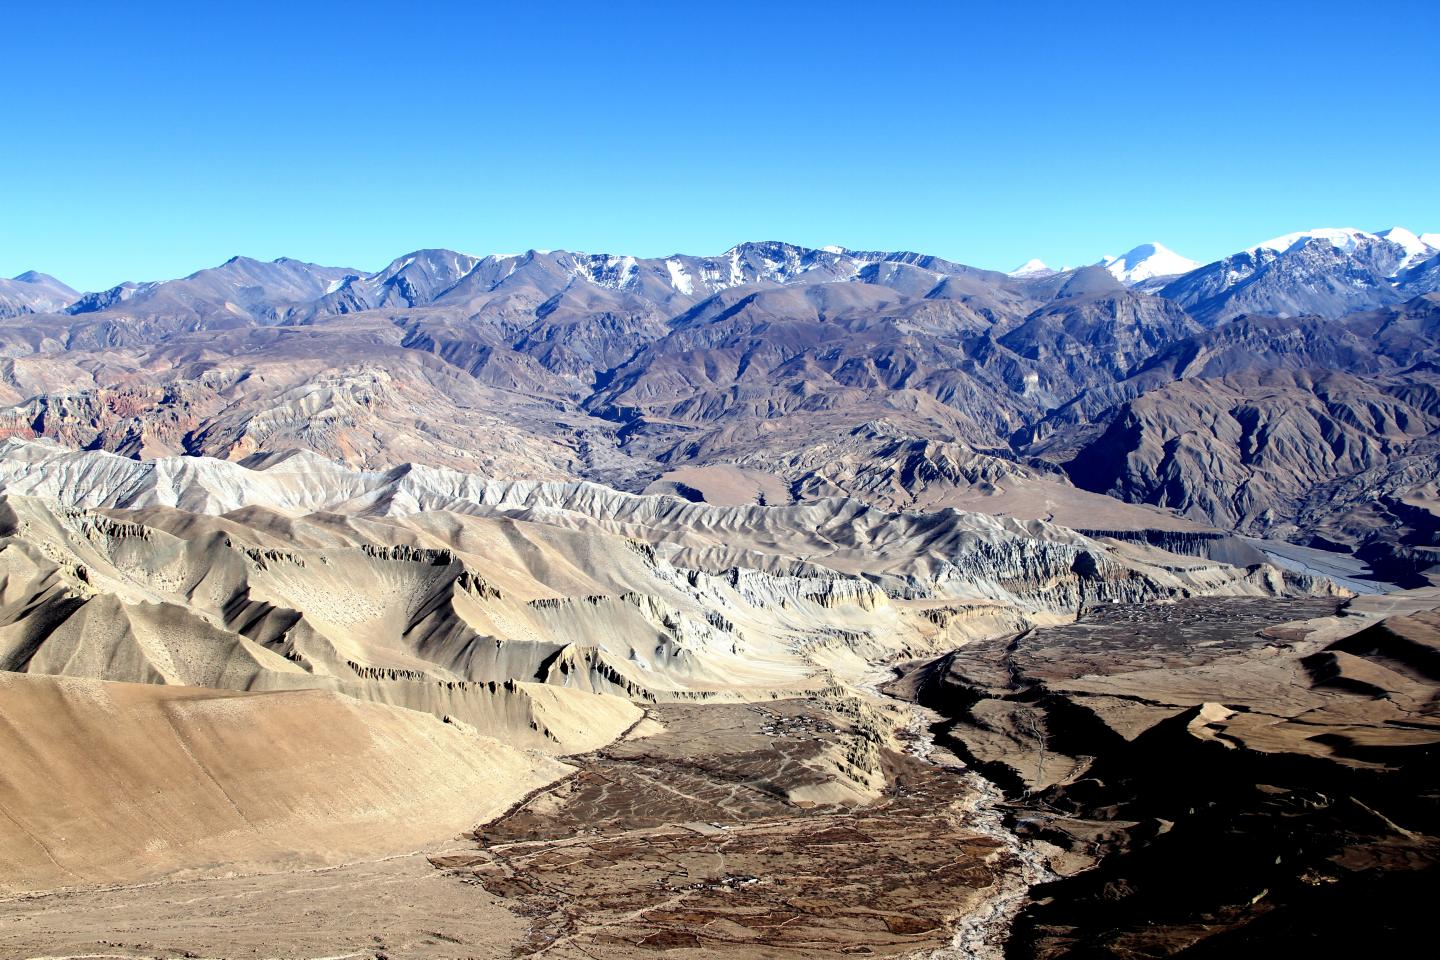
1245,450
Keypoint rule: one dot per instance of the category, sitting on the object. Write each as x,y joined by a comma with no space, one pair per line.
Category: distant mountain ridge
240,286
1325,271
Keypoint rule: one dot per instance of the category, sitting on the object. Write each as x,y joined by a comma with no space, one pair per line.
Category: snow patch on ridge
1347,239
679,277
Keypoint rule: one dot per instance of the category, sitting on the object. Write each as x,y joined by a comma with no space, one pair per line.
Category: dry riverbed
700,839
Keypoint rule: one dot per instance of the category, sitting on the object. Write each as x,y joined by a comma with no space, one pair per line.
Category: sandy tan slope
110,782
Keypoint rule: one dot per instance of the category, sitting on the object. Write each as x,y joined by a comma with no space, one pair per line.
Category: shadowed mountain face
1232,395
1244,449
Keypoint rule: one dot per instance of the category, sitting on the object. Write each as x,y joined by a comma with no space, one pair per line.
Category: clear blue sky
148,141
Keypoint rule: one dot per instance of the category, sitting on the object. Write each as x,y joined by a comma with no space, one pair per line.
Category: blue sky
150,141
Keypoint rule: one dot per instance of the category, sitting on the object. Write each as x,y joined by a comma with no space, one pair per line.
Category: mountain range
428,276
555,600
1248,394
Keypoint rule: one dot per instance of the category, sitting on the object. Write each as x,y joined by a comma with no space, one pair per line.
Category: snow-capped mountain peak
1347,239
1417,248
1350,240
1031,268
1145,262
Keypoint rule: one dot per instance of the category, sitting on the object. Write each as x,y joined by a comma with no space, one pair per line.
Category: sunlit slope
111,782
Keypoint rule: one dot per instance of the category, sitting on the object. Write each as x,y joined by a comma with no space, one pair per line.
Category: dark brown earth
695,838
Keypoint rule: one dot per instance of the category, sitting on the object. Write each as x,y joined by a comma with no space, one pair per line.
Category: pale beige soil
399,907
123,783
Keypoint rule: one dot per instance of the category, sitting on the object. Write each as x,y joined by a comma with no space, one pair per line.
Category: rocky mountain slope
1266,425
1327,272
